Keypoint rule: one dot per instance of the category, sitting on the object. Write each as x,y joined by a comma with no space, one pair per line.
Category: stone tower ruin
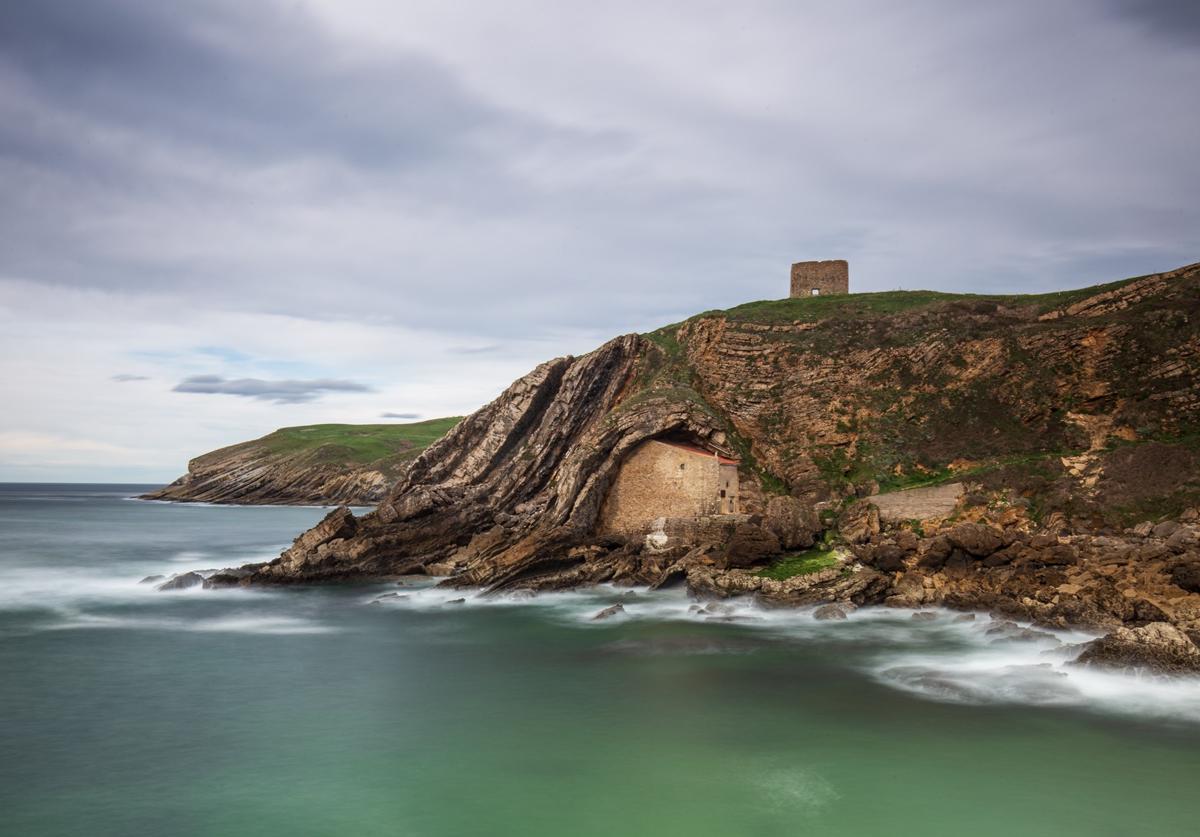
820,278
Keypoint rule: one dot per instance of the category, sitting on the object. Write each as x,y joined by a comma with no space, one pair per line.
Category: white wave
236,623
940,655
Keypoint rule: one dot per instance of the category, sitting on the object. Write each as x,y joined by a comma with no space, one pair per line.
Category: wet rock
152,579
608,613
1008,630
965,617
924,616
391,596
182,582
456,601
227,577
1157,647
829,611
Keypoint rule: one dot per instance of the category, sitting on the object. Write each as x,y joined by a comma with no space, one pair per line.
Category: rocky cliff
1068,415
320,464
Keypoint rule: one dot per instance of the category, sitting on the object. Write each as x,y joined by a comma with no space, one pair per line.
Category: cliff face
1055,408
325,464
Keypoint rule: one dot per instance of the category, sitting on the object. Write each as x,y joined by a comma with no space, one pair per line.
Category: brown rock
608,613
1157,647
859,522
887,558
976,539
1164,529
792,521
1187,575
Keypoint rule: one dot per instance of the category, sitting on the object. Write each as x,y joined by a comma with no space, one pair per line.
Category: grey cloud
400,415
1176,20
241,155
282,392
123,379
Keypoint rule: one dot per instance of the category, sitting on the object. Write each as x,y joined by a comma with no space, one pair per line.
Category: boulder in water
1159,647
608,613
829,611
152,579
182,582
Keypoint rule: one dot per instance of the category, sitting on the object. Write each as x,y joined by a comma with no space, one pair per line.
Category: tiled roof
699,451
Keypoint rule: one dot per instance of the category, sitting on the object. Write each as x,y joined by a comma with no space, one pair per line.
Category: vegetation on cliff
1067,418
325,464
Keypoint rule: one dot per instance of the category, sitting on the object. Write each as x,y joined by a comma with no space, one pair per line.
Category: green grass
840,306
360,443
849,306
383,445
801,563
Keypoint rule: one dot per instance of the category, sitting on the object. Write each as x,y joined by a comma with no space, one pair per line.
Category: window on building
816,292
722,493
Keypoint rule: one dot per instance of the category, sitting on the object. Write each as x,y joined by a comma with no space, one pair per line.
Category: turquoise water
124,711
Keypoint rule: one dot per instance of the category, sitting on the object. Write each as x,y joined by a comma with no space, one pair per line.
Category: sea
396,709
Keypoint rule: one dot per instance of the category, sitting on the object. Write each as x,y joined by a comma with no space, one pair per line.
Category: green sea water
326,711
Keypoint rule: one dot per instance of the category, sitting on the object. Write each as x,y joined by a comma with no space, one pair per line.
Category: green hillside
382,445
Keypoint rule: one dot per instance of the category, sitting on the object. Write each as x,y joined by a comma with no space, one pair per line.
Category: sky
220,217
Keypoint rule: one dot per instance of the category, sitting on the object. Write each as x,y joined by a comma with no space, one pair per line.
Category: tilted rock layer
325,464
1077,412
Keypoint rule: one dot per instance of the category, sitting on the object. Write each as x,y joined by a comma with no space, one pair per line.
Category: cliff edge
1068,418
319,464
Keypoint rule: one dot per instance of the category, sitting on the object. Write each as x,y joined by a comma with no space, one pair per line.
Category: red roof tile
699,451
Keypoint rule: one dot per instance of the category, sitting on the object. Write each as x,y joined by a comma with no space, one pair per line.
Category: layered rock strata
1071,414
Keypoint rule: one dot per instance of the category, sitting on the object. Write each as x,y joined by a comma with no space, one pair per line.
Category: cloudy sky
225,216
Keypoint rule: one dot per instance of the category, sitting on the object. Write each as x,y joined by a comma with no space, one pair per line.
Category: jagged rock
181,582
749,545
793,522
924,616
511,497
975,539
608,613
151,579
829,611
886,558
859,522
1157,647
936,553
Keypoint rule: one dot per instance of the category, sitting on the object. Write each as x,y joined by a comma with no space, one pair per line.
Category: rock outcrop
326,464
1157,647
1065,418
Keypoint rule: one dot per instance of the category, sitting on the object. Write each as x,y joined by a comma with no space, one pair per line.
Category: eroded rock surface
823,408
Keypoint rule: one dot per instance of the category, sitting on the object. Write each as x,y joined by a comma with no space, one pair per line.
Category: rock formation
328,464
1066,417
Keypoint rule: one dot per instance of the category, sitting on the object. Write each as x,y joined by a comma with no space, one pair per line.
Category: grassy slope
382,445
